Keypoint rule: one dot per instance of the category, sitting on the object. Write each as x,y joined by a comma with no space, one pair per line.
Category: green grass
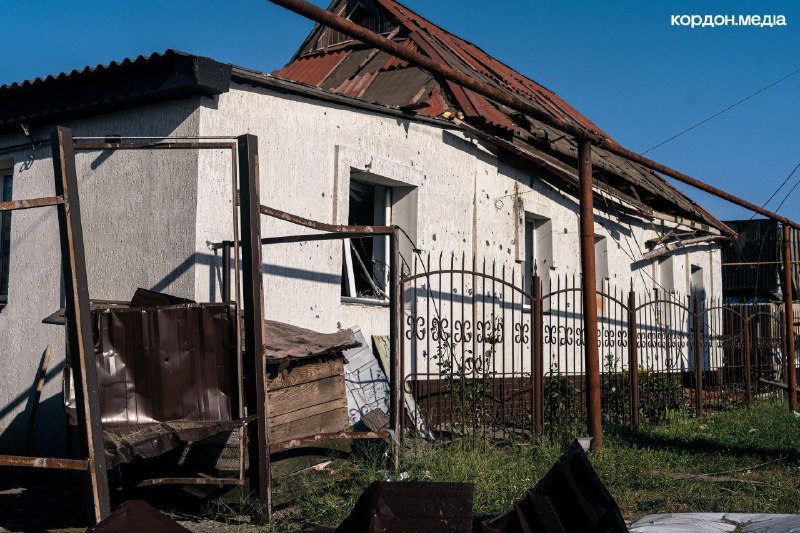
641,471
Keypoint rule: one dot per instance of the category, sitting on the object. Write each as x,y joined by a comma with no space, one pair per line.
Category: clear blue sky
620,63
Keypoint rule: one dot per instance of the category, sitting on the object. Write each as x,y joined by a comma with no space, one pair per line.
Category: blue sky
620,63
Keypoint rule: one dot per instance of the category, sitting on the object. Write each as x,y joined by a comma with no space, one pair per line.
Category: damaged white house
347,135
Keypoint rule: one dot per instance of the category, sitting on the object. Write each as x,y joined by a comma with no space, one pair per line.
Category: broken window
696,287
6,183
366,260
538,251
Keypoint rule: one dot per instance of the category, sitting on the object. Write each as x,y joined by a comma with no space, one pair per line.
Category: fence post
538,358
633,360
748,376
698,360
396,398
791,370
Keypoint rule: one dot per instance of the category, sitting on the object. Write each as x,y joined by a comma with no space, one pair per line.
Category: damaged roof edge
106,88
170,75
262,79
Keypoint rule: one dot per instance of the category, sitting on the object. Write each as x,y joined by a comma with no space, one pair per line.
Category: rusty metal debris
569,498
408,507
136,516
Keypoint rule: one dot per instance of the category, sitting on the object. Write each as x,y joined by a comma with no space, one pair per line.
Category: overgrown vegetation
745,460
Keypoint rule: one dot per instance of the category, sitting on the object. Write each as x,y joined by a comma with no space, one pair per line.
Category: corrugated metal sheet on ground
365,381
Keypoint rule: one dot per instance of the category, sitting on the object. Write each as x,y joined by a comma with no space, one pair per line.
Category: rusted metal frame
453,271
396,354
326,18
254,325
44,462
321,226
243,442
219,481
79,329
18,205
788,312
538,356
633,361
199,143
322,437
318,237
89,146
588,294
698,358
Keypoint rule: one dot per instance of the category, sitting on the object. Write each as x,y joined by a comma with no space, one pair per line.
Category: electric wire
718,113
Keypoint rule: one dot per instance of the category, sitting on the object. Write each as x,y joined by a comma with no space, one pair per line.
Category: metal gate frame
250,212
77,312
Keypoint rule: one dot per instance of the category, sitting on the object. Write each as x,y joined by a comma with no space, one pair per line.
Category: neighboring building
346,135
752,266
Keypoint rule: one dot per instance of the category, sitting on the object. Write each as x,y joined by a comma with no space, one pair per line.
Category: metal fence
491,352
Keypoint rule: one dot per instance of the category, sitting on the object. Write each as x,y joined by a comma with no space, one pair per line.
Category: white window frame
378,254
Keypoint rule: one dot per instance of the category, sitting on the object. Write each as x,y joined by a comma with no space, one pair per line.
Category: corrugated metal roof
376,77
98,69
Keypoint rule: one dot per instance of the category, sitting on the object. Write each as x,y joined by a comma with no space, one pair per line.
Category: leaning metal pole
326,18
254,326
589,295
791,371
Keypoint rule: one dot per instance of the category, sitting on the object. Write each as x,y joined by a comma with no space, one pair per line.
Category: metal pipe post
254,326
633,360
538,357
395,353
698,359
589,295
78,322
791,370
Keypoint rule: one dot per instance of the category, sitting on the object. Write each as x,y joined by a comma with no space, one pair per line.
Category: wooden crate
306,398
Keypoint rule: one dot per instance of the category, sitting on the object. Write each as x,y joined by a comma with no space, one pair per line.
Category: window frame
383,199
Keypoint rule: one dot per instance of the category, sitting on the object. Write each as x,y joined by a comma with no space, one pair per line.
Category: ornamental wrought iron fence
491,352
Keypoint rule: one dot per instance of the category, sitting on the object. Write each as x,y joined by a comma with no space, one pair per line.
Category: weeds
664,468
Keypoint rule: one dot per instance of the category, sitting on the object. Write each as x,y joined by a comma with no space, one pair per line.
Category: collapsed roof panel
376,77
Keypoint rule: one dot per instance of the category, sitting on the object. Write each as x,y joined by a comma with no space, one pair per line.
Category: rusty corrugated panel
312,70
570,497
287,342
160,364
136,516
406,507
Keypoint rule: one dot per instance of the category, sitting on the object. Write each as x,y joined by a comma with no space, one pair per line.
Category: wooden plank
307,411
304,395
303,373
328,422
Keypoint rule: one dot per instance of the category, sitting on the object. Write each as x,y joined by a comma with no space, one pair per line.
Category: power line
715,115
787,194
778,189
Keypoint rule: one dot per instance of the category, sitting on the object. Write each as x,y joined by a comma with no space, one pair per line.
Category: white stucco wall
138,212
307,149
